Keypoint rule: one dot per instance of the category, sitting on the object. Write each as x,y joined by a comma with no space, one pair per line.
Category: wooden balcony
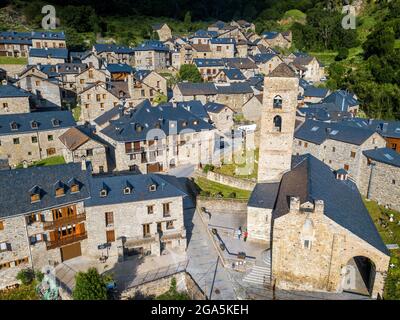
48,225
66,240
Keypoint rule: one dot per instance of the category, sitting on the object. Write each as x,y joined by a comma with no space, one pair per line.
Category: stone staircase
260,274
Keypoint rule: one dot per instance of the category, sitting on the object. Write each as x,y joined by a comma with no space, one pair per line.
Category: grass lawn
76,112
246,170
51,161
397,44
214,188
326,57
12,60
23,292
390,233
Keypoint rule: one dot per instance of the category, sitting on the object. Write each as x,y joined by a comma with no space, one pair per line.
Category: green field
247,170
23,292
51,161
213,188
12,60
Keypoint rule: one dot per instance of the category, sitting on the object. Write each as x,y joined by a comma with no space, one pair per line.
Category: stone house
88,77
202,37
13,99
153,80
314,241
242,48
252,108
229,76
81,143
118,71
134,214
222,47
186,91
245,65
86,57
314,94
42,218
277,39
343,100
152,139
244,25
337,145
47,56
308,68
380,177
234,95
266,62
221,116
152,55
201,51
46,93
163,30
33,136
208,68
47,39
112,53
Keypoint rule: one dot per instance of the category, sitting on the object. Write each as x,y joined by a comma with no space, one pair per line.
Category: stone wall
222,205
14,105
243,184
155,288
13,69
234,101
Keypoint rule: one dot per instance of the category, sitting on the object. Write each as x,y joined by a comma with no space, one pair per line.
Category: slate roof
195,107
342,99
322,114
208,62
234,74
139,184
44,121
270,34
302,61
157,26
16,186
10,91
109,115
256,80
201,47
317,132
57,53
13,37
214,107
119,67
311,91
204,34
73,138
234,88
240,63
384,155
223,41
311,179
264,195
282,70
151,45
170,119
141,74
50,35
119,49
387,129
263,57
203,88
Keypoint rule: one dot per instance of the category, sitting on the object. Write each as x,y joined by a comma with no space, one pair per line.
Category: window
51,151
152,187
352,154
333,149
110,234
90,74
109,218
394,146
346,167
305,144
103,193
166,210
307,244
146,230
34,139
4,246
277,103
4,265
277,124
16,140
101,169
104,96
89,152
21,261
150,209
170,224
82,81
1,225
74,188
60,192
5,105
98,97
393,182
50,137
101,106
36,238
37,83
300,143
35,197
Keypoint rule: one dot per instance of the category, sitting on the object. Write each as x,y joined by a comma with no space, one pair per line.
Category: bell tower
278,116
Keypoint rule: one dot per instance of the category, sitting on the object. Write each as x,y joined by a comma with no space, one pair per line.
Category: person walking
245,235
239,232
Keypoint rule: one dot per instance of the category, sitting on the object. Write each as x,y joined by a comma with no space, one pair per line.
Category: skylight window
388,156
334,132
314,128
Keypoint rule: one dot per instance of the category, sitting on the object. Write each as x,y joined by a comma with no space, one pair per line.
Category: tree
189,72
187,21
90,285
173,293
75,40
342,54
160,98
379,42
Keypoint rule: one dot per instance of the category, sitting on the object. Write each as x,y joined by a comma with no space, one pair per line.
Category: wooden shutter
53,236
110,236
1,225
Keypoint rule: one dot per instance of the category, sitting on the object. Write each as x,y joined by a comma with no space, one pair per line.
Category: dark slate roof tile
10,91
384,155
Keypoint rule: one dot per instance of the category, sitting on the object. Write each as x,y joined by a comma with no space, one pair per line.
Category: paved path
204,265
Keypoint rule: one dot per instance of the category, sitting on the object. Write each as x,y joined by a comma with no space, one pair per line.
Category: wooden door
71,251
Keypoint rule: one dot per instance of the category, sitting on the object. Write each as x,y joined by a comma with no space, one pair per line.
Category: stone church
313,219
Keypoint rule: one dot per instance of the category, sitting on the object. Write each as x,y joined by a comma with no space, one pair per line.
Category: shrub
26,276
232,195
90,285
208,167
342,54
205,193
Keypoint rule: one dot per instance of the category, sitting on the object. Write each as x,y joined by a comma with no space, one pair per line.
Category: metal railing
66,240
64,221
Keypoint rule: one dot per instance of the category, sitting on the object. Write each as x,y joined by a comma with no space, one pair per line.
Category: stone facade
31,146
128,223
319,266
234,101
151,59
9,105
222,120
164,33
252,109
89,77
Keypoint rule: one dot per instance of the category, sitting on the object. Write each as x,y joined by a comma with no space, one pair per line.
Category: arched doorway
358,276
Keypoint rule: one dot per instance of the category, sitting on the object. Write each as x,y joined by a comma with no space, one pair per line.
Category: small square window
16,140
393,181
50,137
34,139
307,244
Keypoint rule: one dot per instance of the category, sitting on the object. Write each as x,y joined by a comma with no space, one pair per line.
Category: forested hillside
365,60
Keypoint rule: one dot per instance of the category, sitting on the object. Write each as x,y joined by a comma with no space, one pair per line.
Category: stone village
126,192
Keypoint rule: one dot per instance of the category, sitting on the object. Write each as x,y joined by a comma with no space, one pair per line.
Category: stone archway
358,276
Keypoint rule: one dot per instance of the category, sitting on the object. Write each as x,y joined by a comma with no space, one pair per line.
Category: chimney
384,126
294,204
25,164
319,206
83,162
370,121
328,130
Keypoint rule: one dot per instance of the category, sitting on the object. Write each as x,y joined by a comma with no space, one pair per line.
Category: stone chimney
294,204
319,206
83,162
